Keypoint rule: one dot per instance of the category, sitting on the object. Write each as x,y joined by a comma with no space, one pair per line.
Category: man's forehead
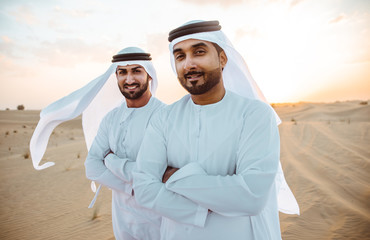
129,66
191,43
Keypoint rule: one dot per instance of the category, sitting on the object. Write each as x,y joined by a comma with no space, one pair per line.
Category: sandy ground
325,155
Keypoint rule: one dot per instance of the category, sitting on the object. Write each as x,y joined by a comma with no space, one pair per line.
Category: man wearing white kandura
122,112
209,163
112,156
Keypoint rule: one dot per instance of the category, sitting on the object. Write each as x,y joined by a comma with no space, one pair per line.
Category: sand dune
324,152
52,203
326,158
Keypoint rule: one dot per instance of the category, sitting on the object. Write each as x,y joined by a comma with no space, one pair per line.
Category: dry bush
26,155
294,121
20,107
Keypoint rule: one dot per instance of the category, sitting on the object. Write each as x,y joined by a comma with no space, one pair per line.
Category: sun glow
296,50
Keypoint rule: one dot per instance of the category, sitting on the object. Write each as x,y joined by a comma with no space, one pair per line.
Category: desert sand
325,154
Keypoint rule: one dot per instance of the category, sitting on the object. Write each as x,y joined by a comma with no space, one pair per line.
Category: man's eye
200,52
179,56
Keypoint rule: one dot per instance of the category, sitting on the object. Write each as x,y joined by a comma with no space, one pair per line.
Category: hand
110,151
168,173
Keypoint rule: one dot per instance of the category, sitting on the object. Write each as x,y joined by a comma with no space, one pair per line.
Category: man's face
198,65
132,80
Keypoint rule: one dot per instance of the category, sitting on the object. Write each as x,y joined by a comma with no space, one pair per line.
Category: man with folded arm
209,163
112,156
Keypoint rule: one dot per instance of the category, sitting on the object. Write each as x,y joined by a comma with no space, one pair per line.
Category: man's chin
196,91
131,96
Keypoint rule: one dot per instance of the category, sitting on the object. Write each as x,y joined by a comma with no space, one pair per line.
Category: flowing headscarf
94,101
238,79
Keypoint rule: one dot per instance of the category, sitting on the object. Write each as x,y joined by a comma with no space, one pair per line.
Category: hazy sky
297,50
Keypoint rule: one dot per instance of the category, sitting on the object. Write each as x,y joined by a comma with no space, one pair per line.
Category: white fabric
94,100
122,131
228,155
237,78
96,191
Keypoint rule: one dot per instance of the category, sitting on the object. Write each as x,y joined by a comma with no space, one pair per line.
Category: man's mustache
192,73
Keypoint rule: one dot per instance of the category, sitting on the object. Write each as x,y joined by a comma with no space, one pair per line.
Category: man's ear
223,59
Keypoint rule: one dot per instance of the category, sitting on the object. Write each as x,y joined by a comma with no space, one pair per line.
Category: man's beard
136,94
211,79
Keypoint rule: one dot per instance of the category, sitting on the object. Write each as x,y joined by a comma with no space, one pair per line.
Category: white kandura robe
228,155
122,131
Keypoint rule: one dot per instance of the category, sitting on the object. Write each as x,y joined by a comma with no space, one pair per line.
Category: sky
296,50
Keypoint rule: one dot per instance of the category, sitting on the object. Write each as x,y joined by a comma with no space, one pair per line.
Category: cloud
362,56
290,3
224,3
6,62
70,52
24,14
295,3
245,31
11,68
73,12
6,39
157,44
59,26
7,46
337,19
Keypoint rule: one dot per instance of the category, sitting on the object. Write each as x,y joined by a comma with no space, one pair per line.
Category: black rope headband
131,57
207,26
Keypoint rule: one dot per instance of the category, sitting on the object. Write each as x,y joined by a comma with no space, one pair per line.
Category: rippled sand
325,155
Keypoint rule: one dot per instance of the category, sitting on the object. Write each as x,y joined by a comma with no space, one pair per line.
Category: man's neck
214,95
139,102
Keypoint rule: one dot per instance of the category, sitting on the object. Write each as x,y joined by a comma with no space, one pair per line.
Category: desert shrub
20,107
294,121
26,155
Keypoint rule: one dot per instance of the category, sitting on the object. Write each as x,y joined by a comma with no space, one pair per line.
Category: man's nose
130,78
189,64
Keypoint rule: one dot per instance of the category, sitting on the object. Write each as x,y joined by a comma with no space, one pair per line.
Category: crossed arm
191,188
106,168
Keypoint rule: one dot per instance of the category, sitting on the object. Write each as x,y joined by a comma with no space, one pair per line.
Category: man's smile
193,76
131,87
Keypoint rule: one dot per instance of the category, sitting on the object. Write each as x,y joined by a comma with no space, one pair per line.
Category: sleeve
150,192
247,191
123,167
94,164
120,167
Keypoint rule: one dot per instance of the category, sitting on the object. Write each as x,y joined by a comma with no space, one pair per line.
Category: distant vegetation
20,107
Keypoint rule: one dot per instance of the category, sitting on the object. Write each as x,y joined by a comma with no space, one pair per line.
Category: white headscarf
238,79
94,100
